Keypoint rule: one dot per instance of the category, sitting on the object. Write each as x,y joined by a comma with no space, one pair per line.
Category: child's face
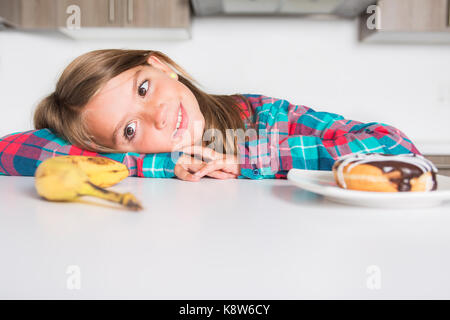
137,111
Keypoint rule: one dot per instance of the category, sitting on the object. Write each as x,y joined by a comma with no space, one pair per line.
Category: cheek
198,113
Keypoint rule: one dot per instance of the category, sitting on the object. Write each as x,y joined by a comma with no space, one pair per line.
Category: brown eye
130,131
143,88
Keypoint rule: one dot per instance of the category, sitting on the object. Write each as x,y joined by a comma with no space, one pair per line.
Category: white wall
316,63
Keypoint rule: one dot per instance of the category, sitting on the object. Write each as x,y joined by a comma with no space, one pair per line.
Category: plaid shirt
295,136
285,136
22,152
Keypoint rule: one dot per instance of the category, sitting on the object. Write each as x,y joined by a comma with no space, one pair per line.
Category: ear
156,63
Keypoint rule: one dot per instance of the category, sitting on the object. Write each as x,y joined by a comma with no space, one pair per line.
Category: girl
141,101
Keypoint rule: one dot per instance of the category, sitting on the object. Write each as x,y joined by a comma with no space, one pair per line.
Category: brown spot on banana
129,201
98,160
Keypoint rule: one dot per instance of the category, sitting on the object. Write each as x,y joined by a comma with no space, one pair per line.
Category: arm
22,152
295,136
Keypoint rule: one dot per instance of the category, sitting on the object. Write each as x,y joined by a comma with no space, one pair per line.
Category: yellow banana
103,172
63,181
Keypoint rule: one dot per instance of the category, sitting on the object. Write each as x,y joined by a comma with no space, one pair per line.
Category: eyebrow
121,122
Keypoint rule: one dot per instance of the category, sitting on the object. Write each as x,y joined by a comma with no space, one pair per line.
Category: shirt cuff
254,162
158,165
170,163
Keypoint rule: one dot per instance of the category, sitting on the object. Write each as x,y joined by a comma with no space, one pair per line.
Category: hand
186,165
217,163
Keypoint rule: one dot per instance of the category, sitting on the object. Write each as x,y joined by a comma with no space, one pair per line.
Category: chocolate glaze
407,170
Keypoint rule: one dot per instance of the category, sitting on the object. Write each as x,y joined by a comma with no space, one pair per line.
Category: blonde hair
61,111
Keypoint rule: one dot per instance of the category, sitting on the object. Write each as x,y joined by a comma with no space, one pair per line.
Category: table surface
218,239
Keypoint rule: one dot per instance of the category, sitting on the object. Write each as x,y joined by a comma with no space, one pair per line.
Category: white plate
323,183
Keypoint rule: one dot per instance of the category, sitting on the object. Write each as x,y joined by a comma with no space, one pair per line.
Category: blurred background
385,61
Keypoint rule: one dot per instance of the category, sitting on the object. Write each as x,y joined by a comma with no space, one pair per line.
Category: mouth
181,122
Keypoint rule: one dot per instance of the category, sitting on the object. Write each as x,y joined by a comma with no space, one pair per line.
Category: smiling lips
181,124
179,118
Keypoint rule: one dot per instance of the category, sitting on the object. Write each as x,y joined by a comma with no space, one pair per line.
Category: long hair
61,111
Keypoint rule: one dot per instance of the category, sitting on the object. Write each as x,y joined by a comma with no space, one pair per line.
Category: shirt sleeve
152,165
22,152
290,136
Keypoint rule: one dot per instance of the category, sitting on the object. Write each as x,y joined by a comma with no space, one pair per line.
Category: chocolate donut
385,172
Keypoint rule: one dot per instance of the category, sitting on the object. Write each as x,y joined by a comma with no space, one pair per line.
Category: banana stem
125,199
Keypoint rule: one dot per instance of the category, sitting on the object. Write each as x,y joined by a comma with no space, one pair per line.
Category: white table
233,239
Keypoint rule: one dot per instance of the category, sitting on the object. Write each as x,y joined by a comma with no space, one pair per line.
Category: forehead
116,93
109,105
116,84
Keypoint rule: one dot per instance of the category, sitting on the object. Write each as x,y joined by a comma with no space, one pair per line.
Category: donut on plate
385,173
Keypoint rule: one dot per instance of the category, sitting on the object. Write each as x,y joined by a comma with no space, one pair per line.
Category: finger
193,167
218,174
228,173
201,151
188,160
209,167
184,174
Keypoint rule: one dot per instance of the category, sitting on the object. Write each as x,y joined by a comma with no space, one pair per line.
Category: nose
158,115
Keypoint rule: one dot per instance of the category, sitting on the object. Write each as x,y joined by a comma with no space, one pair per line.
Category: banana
102,172
63,181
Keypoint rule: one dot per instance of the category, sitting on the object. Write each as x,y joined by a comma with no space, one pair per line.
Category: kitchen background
318,61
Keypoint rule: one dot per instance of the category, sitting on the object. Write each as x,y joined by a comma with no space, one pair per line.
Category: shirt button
256,172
